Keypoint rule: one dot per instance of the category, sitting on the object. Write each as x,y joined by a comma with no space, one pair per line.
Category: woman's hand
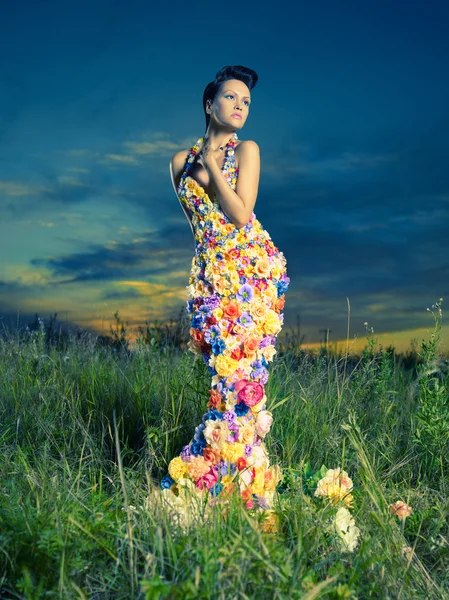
206,155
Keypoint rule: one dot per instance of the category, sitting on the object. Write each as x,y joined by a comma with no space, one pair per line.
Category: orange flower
197,467
212,455
400,509
246,495
270,524
250,345
279,304
197,335
232,311
214,398
262,267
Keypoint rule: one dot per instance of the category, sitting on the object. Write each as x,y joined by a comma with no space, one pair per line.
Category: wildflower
401,510
347,531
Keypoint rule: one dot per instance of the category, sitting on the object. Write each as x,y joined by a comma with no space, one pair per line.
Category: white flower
346,529
258,457
216,433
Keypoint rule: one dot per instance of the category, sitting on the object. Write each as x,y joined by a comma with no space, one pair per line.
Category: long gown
236,294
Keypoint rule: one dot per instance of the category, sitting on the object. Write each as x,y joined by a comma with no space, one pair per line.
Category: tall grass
86,432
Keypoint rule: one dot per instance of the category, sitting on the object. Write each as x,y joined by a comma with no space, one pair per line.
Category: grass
87,431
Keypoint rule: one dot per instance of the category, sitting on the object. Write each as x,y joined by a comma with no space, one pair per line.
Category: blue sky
350,113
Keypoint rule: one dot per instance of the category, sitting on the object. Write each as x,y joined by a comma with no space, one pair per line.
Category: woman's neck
217,137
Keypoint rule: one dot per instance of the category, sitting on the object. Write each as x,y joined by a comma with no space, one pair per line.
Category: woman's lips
236,116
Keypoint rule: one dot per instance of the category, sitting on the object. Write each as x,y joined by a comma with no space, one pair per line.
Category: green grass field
87,430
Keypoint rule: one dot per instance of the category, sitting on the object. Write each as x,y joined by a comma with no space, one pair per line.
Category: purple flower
259,369
248,450
229,416
265,341
264,377
212,302
233,432
186,454
226,466
211,334
245,293
245,319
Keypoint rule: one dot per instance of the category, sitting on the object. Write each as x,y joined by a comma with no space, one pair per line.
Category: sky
351,115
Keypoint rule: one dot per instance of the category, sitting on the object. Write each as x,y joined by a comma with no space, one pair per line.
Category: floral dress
236,295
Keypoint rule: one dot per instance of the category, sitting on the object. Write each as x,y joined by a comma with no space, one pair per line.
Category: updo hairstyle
248,76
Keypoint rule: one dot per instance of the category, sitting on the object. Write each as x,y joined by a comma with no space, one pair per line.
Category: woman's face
231,101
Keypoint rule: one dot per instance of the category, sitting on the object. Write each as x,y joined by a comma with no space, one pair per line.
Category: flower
263,422
236,295
208,479
177,468
249,392
336,484
232,311
197,467
215,399
211,455
272,477
251,344
233,452
216,433
258,457
258,483
245,293
270,523
271,323
246,434
400,509
225,365
347,531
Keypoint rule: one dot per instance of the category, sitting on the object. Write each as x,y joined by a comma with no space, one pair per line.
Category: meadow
88,425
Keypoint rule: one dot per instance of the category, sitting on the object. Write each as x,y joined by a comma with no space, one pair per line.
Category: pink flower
400,509
263,423
208,479
249,392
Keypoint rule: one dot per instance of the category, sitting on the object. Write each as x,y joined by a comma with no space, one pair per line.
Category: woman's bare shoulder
247,144
177,163
179,158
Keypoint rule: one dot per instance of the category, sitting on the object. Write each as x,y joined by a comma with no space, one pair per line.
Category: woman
236,294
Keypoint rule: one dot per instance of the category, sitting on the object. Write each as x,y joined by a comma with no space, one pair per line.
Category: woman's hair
248,76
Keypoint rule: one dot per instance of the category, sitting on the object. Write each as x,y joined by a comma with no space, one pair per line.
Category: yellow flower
218,313
232,452
226,479
337,493
225,365
270,523
271,324
246,434
177,468
257,310
215,217
220,284
271,293
276,271
258,484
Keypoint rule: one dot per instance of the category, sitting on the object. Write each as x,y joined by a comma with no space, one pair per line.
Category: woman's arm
238,205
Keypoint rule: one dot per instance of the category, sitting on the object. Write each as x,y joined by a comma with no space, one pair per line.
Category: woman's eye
232,96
